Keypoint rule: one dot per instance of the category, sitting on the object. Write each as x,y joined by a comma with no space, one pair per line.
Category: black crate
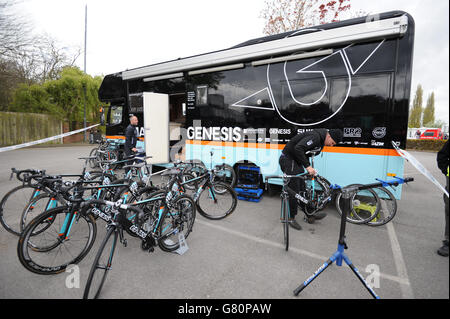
248,177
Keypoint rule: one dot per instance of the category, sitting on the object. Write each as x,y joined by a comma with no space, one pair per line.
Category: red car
432,134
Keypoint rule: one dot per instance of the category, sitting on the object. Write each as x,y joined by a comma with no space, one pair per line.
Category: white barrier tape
414,162
48,139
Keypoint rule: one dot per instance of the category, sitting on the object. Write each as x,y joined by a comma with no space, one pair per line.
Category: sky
128,34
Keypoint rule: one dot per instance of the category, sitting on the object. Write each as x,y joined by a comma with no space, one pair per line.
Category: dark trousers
446,212
290,167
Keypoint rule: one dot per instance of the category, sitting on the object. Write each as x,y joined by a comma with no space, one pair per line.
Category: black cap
336,135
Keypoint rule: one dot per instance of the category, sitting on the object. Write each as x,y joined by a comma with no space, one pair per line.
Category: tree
436,124
63,97
15,31
31,98
27,58
415,116
289,15
428,113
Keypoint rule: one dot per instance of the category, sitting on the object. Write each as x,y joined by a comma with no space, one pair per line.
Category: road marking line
401,280
400,265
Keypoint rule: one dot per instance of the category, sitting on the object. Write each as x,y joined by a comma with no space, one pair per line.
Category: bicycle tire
29,253
177,217
230,175
93,162
207,207
10,216
101,266
317,197
388,207
364,206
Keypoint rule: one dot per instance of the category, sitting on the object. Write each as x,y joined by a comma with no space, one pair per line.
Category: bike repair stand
339,255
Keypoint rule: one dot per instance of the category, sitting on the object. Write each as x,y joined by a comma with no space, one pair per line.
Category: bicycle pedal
125,243
151,249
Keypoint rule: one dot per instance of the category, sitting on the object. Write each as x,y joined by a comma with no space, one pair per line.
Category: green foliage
428,113
415,116
64,97
436,124
425,145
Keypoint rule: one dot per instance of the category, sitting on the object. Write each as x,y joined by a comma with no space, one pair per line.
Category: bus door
156,127
177,116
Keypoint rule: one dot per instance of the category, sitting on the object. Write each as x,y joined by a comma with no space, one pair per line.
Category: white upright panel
156,127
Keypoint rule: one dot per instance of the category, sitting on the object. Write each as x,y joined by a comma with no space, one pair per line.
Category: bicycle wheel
12,205
110,155
178,218
47,252
93,162
388,207
285,221
101,265
318,195
364,206
225,174
216,201
37,205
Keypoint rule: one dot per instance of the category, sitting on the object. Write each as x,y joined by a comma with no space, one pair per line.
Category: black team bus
246,102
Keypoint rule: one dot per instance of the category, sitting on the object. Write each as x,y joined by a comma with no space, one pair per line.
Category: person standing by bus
443,162
131,137
294,160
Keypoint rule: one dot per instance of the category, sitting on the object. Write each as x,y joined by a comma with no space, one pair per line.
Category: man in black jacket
294,159
131,137
443,162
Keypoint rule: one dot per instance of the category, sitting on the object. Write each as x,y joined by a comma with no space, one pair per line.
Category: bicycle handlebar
25,171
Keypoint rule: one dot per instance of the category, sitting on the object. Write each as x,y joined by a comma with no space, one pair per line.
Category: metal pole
84,86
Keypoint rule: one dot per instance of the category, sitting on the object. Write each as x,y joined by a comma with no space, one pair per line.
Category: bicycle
96,156
36,194
61,236
33,187
150,227
214,200
222,172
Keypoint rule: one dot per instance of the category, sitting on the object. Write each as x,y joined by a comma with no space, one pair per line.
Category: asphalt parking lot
242,256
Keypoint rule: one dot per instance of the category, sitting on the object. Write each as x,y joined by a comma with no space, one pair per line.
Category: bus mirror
102,116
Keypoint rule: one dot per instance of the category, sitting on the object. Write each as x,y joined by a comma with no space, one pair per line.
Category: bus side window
202,95
115,115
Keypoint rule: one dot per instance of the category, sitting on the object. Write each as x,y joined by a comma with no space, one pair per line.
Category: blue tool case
251,195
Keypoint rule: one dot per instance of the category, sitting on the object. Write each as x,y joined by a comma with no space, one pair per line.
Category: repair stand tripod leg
339,255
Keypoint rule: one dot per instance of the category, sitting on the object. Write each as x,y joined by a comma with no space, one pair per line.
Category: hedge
425,145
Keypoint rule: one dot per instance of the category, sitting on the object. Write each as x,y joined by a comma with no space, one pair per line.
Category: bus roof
389,24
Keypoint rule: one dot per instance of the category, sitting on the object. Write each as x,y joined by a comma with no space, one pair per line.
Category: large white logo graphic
308,86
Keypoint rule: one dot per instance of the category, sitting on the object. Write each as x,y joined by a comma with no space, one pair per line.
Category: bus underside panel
341,166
